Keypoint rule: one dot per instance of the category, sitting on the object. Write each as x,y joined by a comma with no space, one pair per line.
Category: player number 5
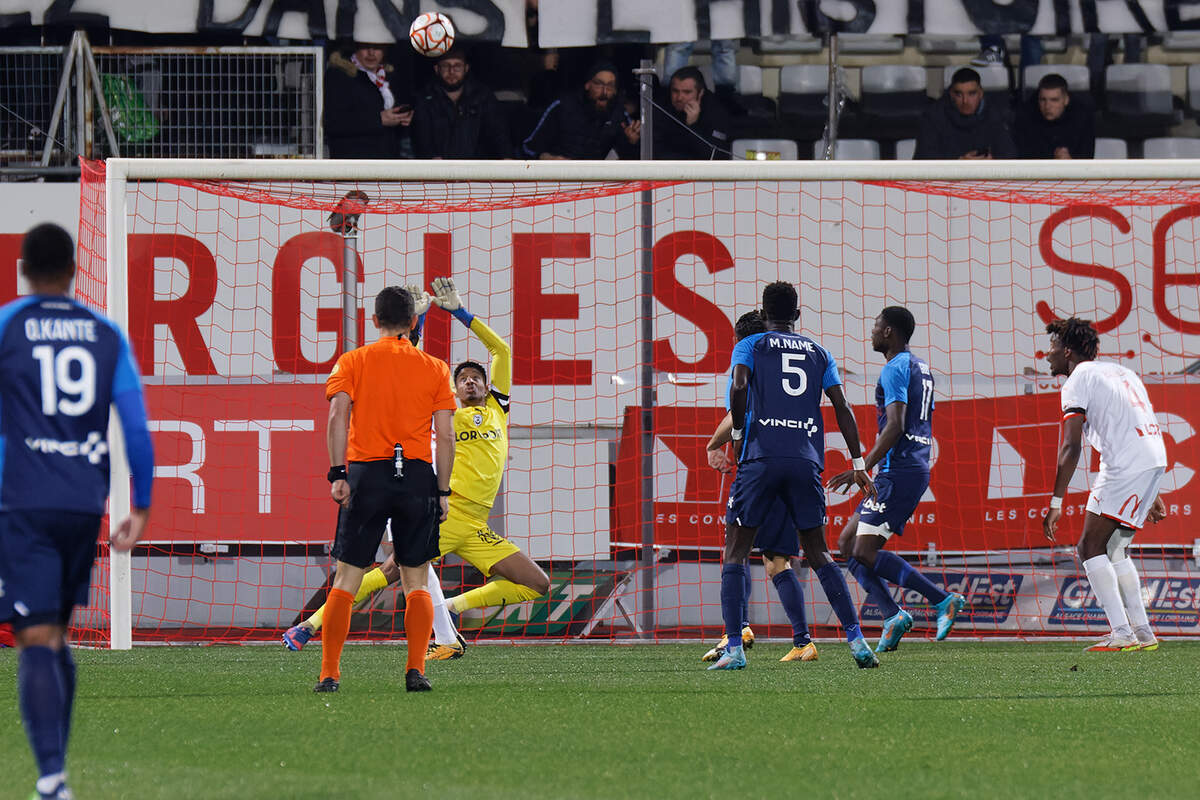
790,366
56,376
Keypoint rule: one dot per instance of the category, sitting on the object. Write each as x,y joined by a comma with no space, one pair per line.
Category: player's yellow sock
494,593
372,582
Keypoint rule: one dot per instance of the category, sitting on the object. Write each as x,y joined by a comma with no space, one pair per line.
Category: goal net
617,286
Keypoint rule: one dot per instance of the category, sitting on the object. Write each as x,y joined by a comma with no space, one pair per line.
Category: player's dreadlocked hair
901,319
749,324
779,301
1076,335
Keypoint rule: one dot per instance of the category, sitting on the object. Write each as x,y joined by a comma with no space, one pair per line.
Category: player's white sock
1103,579
443,626
1131,592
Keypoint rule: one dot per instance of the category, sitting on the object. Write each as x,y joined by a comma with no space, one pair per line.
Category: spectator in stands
458,117
367,111
586,124
1052,127
697,127
962,124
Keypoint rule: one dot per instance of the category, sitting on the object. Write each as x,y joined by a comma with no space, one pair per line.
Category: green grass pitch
956,719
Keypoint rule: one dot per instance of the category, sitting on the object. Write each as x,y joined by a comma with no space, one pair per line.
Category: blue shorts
898,496
777,533
46,562
795,483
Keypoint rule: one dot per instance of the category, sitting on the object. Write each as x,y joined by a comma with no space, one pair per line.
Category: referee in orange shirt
383,399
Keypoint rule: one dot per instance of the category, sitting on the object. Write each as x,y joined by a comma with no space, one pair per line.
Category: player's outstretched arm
718,459
446,296
849,428
893,428
421,302
1068,459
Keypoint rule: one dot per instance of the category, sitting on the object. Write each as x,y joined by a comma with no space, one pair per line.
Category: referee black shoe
326,685
414,681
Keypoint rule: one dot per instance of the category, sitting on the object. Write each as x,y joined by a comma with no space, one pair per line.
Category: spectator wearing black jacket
367,109
962,124
458,117
586,124
1052,127
697,126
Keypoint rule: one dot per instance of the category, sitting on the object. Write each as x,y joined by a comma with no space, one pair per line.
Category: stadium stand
850,150
1171,147
1111,148
1138,101
765,149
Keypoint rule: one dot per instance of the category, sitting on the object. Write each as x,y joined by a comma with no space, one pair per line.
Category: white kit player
1108,403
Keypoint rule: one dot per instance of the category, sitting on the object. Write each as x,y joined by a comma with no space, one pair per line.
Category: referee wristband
1055,503
443,492
336,473
859,464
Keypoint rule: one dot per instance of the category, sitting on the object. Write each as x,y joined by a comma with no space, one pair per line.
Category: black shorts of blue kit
377,496
46,559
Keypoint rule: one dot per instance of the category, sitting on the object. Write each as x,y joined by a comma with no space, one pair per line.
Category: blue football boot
296,637
894,627
732,658
947,612
863,655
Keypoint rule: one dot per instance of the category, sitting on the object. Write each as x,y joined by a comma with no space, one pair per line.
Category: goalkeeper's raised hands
421,299
445,294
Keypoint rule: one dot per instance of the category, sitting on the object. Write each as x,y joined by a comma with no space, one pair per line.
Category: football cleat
732,658
445,652
1146,638
1114,643
863,655
326,685
295,637
414,681
747,638
947,612
718,651
60,793
806,652
894,627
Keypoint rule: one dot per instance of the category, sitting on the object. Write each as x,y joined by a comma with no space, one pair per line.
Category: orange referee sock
336,628
418,627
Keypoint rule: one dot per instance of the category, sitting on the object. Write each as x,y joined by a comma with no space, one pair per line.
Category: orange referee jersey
394,389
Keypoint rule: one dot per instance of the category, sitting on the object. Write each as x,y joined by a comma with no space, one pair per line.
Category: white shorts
1125,498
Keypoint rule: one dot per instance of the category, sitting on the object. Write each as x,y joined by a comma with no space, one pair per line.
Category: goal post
230,284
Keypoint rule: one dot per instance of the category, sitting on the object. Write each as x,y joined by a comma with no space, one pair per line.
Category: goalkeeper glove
421,299
445,294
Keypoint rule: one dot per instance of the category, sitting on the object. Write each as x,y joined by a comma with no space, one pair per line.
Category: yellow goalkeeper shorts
470,538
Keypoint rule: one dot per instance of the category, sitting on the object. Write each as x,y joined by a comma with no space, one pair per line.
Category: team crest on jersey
477,419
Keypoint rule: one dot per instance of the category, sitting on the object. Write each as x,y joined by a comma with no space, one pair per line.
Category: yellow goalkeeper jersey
481,432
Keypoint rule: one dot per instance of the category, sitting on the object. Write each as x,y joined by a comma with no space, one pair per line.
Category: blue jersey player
775,402
776,540
61,367
904,399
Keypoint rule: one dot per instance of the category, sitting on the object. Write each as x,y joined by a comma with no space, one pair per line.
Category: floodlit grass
936,720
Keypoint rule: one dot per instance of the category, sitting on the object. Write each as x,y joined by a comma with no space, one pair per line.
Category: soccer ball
431,34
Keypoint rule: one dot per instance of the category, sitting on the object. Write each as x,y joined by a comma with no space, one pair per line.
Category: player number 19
56,376
789,366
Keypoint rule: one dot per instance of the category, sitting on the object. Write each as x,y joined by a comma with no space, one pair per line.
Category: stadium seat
765,149
788,44
893,98
1193,89
1171,147
905,148
1078,77
850,150
1111,148
1138,101
869,43
955,45
803,107
1181,40
750,92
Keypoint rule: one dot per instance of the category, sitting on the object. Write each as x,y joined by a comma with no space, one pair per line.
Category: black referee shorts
376,496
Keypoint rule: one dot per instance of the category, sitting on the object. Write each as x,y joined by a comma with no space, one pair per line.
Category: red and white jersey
1120,420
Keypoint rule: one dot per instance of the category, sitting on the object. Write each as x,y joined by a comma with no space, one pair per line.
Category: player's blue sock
791,594
67,664
40,686
901,573
838,594
747,585
878,593
733,587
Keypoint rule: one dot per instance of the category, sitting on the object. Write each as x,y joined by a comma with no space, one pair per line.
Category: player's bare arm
849,428
1068,460
891,433
718,458
336,434
443,423
739,393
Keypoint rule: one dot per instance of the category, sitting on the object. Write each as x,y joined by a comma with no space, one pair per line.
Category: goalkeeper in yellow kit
481,449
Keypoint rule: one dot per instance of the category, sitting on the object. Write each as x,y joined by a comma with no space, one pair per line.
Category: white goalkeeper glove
421,299
445,294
